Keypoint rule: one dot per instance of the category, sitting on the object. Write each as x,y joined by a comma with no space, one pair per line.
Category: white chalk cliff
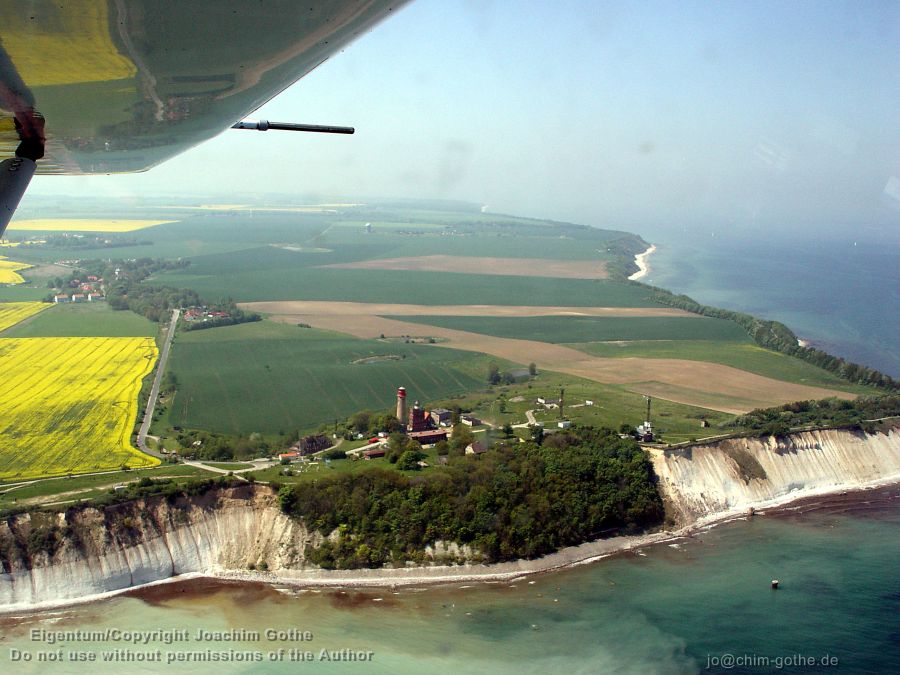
94,551
731,476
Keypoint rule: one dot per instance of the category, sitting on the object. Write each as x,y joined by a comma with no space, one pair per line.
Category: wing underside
121,85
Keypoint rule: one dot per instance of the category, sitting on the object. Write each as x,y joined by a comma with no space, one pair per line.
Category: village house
476,448
470,420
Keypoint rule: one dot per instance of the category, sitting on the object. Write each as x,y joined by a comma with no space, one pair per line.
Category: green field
744,355
397,232
22,293
434,288
89,319
267,377
566,329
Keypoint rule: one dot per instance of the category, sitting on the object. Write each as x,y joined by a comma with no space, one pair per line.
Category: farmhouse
291,456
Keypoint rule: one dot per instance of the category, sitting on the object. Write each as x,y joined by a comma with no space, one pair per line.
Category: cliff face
55,557
736,474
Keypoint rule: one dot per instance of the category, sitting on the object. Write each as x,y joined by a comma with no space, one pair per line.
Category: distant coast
641,261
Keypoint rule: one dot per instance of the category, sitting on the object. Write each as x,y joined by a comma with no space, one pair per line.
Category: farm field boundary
707,385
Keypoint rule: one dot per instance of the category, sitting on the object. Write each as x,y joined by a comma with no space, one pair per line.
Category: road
529,415
154,390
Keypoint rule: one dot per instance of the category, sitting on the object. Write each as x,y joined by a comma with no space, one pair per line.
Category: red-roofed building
428,437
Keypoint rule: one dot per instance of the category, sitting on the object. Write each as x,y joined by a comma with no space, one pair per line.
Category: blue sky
644,116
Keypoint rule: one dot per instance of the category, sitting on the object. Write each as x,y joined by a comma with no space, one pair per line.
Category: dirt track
708,385
527,267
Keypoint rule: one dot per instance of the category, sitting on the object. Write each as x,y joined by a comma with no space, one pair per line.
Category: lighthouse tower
401,405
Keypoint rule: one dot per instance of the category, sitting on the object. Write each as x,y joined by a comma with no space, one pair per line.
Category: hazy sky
637,115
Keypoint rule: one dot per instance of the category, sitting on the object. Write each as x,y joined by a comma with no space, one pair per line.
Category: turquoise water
668,609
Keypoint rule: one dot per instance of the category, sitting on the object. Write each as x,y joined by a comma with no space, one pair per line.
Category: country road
529,415
154,390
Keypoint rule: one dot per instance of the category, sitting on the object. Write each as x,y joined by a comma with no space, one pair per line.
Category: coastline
641,261
574,556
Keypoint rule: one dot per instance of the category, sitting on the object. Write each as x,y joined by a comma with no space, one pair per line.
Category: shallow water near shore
668,608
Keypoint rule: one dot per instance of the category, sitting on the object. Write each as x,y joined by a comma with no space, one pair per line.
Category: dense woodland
518,501
778,337
831,412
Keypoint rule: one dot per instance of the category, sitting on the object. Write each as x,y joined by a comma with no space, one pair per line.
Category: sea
704,603
837,291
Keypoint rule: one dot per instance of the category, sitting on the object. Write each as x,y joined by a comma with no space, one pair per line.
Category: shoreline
566,558
641,261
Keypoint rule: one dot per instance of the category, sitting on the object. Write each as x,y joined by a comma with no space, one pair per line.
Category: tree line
830,412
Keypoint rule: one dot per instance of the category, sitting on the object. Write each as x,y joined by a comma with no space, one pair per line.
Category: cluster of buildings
61,298
307,445
89,290
426,427
203,314
422,426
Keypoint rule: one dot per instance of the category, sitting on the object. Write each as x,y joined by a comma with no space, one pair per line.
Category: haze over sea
685,607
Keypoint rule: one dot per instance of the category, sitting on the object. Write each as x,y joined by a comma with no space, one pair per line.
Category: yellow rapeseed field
12,313
69,404
82,225
9,271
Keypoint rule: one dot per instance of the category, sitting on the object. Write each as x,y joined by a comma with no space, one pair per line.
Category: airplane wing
112,86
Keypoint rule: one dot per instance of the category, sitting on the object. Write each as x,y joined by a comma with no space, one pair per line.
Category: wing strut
16,172
265,125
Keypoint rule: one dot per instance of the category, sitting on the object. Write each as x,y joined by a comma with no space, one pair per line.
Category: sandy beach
643,266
